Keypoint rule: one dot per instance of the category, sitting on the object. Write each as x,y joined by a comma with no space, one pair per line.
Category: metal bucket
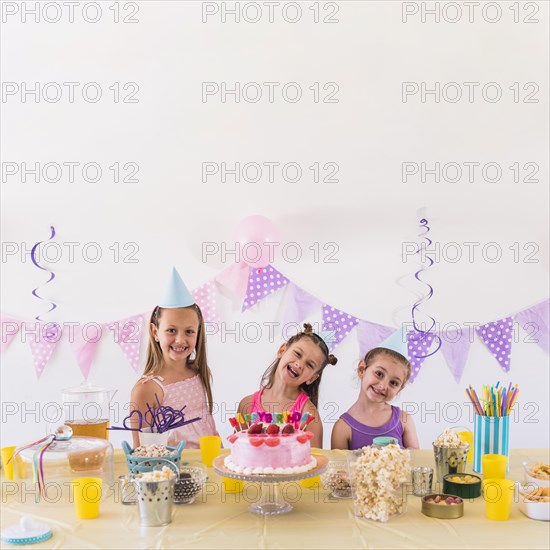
156,499
450,460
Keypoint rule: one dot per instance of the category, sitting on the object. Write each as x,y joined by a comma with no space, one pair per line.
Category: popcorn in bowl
450,439
164,474
377,477
152,451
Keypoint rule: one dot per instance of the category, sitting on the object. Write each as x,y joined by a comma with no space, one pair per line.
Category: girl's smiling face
300,362
383,378
177,333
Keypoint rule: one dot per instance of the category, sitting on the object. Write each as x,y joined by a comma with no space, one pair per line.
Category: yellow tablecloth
217,521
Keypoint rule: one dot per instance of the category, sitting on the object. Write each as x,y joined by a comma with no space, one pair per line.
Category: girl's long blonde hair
155,360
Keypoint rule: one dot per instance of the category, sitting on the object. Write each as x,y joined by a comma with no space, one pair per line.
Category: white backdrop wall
370,213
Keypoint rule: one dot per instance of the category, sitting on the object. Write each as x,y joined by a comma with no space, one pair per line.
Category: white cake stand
271,501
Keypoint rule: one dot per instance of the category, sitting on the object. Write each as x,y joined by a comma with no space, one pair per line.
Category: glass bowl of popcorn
190,483
379,476
336,479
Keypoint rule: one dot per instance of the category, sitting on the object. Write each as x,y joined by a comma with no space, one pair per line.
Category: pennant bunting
340,321
370,335
205,297
42,343
84,345
455,346
234,278
262,282
10,328
299,304
497,336
535,321
418,344
127,334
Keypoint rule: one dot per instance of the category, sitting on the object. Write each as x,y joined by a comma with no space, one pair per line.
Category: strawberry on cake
269,448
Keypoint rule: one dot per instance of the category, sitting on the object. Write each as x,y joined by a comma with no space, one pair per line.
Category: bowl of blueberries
190,483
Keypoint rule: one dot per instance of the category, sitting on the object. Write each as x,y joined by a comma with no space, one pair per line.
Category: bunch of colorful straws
495,400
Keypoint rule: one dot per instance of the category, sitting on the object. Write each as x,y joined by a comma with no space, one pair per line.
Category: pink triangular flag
10,327
418,346
262,282
299,305
370,335
455,346
84,346
234,278
497,336
43,344
127,334
338,320
536,322
205,297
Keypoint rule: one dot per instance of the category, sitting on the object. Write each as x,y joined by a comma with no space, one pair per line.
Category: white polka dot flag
10,327
205,297
84,344
42,342
340,321
262,282
497,336
418,346
127,334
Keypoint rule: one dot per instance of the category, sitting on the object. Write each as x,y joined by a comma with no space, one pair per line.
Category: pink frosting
292,450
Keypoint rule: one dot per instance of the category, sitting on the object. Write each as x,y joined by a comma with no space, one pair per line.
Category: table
217,520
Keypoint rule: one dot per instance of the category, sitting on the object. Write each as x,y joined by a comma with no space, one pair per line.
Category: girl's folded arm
315,427
341,436
410,439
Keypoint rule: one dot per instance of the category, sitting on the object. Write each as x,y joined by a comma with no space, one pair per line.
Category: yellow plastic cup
7,454
310,482
232,485
498,494
468,437
210,446
87,495
494,466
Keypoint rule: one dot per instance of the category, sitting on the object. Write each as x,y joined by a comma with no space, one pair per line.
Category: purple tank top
362,435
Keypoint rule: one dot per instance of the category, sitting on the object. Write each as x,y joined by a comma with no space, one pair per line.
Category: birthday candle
278,418
285,417
310,419
248,418
240,418
254,417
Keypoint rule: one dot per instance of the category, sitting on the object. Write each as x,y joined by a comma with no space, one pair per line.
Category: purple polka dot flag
127,334
205,298
340,321
497,336
418,348
43,344
262,281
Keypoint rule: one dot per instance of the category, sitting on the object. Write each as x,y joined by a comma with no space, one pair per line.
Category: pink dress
188,392
298,406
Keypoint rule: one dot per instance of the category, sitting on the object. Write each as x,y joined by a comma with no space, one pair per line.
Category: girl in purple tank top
292,381
383,373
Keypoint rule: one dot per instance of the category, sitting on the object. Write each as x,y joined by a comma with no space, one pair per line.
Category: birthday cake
271,446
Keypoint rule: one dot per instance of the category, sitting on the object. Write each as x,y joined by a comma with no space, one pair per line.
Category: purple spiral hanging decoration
425,334
52,274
